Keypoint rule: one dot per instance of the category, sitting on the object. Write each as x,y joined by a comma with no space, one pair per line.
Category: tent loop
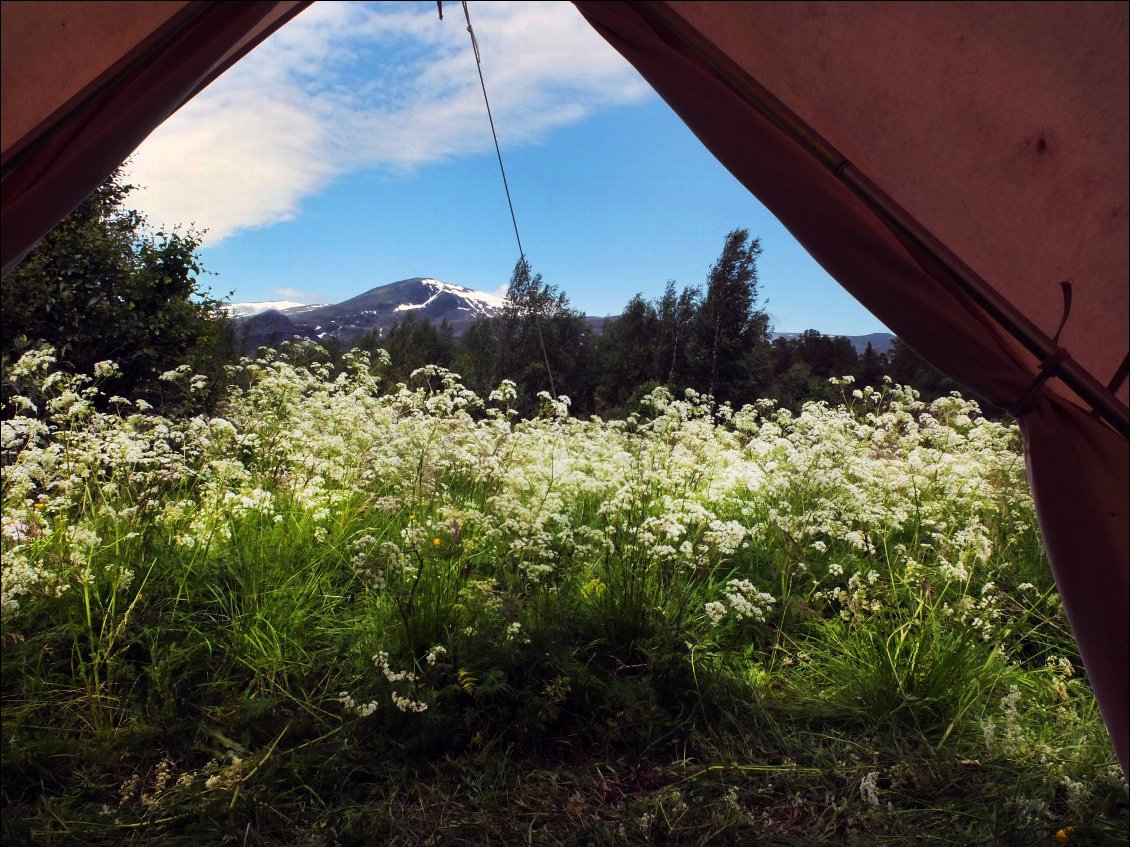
1050,366
1119,375
1066,286
475,44
1034,393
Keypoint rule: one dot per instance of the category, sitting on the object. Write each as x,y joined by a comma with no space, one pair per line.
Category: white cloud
346,86
501,291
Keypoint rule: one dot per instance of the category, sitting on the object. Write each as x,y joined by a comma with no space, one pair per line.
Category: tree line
714,339
101,286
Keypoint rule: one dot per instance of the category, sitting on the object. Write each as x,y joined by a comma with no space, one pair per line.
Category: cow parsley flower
361,710
407,704
743,600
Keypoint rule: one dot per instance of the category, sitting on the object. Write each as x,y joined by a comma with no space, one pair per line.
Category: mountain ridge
375,310
379,308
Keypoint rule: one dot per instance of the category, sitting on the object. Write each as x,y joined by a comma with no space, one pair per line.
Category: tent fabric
1079,479
997,130
1007,142
49,80
1002,128
84,84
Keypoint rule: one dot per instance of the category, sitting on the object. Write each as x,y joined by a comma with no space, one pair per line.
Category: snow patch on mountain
478,302
466,293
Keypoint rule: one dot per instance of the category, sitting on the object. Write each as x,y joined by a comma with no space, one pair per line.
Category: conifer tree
675,314
731,328
532,306
629,356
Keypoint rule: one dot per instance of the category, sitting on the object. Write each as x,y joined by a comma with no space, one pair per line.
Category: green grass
698,626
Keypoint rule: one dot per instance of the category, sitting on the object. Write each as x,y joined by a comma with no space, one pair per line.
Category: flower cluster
401,701
743,600
882,495
362,710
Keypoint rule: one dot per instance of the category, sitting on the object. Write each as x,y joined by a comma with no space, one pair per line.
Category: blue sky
352,149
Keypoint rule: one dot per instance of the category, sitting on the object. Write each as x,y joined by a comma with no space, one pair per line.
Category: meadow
340,612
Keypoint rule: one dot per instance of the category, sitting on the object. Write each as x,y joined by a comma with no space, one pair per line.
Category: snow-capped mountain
376,310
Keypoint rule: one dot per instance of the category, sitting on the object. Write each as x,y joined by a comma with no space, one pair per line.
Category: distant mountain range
378,309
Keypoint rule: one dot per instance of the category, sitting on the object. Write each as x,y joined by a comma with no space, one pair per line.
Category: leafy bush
102,286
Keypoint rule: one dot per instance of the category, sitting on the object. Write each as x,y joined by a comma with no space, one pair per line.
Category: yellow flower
435,541
594,588
1064,835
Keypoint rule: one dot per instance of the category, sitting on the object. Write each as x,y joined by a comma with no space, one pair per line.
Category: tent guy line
490,117
505,182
